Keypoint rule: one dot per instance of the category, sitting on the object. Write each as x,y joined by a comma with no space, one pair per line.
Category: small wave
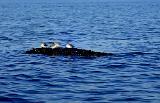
9,99
132,53
5,99
127,99
23,76
64,32
93,99
5,38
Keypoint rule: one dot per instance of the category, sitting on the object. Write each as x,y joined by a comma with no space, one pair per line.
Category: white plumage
69,45
55,45
43,45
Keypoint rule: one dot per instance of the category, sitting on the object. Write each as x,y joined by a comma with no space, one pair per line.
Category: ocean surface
128,29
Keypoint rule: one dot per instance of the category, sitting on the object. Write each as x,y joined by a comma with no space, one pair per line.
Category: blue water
129,30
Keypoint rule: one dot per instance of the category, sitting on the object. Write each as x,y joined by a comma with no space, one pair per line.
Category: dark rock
66,52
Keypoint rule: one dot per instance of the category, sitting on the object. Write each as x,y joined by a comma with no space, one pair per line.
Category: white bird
69,45
43,45
55,45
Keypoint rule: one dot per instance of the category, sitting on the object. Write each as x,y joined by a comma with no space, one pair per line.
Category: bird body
55,45
43,45
69,45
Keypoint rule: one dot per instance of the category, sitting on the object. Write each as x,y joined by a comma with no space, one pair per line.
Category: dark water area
129,30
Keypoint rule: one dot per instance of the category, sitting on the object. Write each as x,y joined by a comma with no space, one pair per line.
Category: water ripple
129,30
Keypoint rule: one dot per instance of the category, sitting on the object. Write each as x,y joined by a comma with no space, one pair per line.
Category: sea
130,29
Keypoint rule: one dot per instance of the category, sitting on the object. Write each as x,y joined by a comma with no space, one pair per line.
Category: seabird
69,45
55,45
43,45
